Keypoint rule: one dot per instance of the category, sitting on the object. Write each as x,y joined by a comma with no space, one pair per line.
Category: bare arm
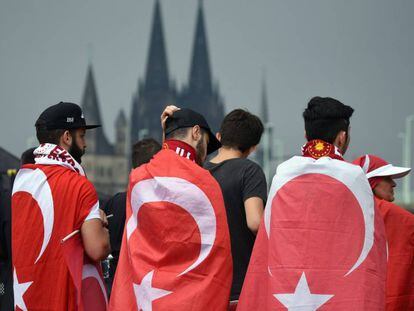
254,213
95,237
168,112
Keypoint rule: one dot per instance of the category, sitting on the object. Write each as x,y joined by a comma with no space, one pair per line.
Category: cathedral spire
200,73
97,141
90,104
157,67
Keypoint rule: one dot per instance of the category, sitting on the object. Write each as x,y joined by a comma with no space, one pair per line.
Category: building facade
105,164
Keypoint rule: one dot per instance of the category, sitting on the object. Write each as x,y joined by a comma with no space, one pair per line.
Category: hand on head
168,112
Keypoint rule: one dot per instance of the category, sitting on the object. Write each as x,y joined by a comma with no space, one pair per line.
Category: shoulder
325,164
248,163
236,163
76,182
389,209
250,167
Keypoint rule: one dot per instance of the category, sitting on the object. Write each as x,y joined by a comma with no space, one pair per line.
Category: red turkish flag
48,203
321,245
399,227
175,252
86,276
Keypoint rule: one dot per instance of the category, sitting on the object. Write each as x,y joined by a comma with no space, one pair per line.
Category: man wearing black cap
175,253
189,127
52,202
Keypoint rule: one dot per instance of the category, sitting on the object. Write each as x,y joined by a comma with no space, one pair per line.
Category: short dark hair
28,157
241,130
325,117
45,136
179,133
144,150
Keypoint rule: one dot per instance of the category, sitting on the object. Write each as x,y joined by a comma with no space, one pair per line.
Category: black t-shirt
239,179
117,207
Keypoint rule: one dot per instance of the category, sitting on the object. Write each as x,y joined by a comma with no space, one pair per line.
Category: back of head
325,117
28,157
57,119
241,130
143,151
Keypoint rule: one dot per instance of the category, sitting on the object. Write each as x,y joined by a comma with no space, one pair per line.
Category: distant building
107,165
157,90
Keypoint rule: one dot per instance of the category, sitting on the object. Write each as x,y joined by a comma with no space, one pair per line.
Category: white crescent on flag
339,170
90,271
35,182
184,194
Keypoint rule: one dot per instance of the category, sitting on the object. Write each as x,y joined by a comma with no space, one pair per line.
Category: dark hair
28,157
179,133
143,151
325,117
50,136
241,130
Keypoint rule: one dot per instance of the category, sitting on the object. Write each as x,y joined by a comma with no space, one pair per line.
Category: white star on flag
302,299
19,290
145,294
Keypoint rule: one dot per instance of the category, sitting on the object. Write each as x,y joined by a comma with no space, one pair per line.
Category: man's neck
225,153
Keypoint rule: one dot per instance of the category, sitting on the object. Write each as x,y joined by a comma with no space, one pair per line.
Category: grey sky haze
357,51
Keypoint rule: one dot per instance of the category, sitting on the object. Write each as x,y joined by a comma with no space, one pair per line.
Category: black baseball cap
188,118
63,116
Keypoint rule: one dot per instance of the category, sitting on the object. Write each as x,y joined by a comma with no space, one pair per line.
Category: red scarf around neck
318,148
181,148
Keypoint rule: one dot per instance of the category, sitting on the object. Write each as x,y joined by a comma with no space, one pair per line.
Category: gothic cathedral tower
156,91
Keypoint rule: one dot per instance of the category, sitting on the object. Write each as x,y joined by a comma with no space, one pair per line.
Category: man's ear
196,132
340,140
65,140
218,136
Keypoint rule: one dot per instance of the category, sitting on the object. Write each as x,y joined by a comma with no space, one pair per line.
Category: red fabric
317,148
73,197
90,293
313,233
181,148
374,163
166,239
399,227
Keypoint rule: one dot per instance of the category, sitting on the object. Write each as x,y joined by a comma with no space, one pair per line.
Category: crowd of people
197,229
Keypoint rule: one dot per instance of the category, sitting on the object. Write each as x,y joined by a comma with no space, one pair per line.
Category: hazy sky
359,51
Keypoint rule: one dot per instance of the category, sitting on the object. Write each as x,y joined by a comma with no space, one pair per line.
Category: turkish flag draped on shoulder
321,245
86,276
399,226
175,252
51,199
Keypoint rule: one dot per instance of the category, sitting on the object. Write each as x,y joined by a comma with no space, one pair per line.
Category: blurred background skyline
359,52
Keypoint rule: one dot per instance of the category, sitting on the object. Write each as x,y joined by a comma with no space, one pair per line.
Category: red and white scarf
50,154
318,148
181,148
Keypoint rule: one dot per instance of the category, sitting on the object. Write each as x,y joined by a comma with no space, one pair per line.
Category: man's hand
168,112
104,219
